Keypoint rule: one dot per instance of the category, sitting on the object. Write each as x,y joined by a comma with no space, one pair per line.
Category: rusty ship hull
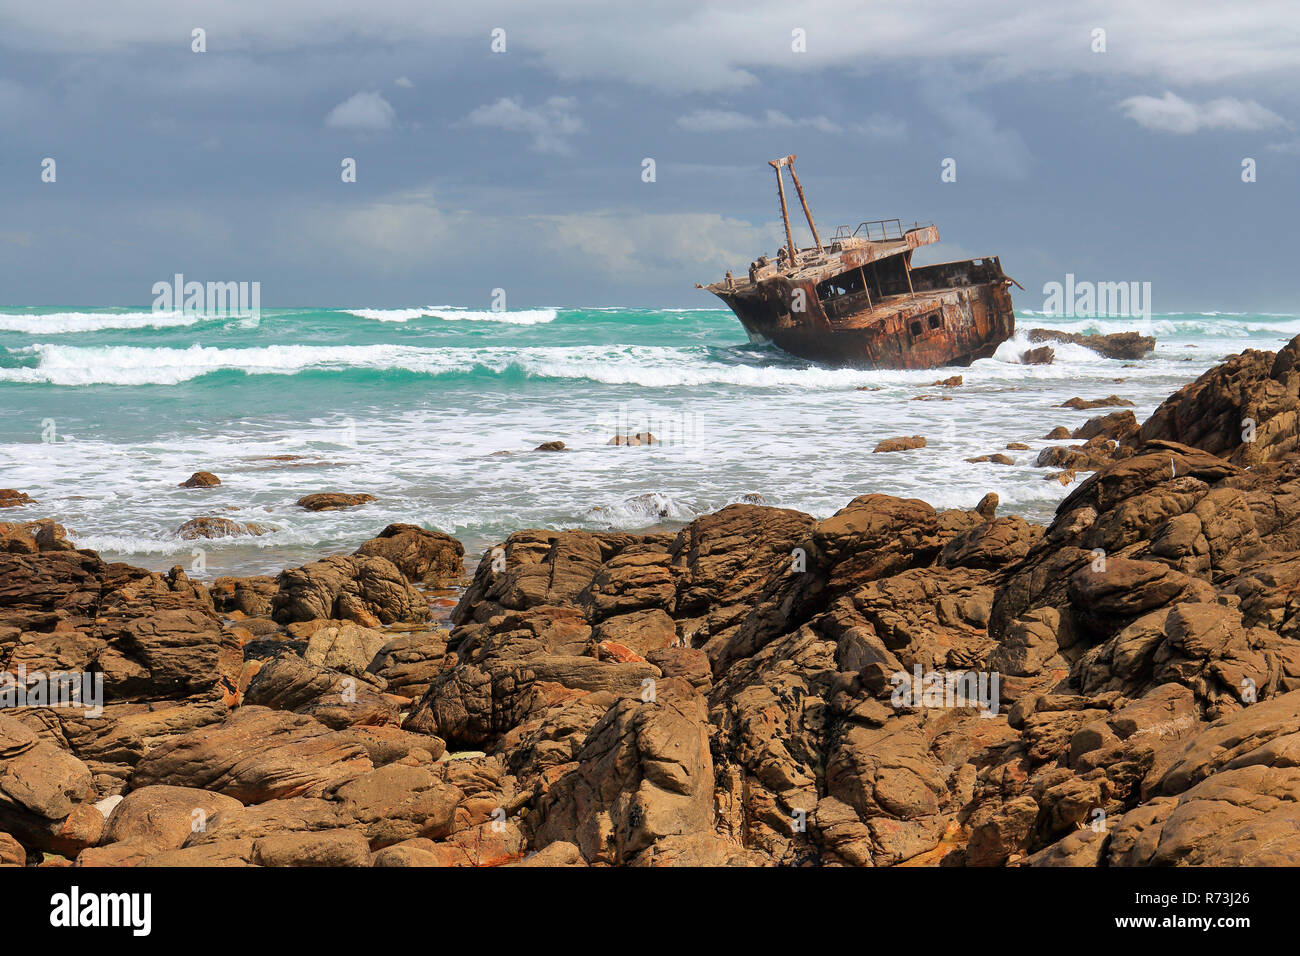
856,300
936,324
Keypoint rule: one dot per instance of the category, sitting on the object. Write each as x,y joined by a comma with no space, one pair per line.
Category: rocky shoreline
752,689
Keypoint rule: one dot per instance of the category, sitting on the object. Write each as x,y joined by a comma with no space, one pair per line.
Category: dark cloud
478,170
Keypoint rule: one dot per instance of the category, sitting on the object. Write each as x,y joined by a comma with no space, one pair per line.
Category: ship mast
777,164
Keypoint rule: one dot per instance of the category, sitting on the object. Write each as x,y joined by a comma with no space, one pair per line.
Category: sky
504,145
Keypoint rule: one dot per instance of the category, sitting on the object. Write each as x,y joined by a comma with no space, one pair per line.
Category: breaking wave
62,323
1176,324
447,313
643,366
647,366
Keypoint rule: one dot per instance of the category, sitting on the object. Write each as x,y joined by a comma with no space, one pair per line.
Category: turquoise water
107,410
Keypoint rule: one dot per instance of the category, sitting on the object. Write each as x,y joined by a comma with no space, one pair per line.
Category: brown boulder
215,527
365,589
644,773
900,444
1043,355
201,479
157,818
320,848
633,441
1085,403
255,755
1246,410
1115,345
1117,425
418,553
33,537
9,498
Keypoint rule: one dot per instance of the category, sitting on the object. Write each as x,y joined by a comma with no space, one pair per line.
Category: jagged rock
348,648
9,498
1115,345
1146,645
397,803
13,854
250,596
367,590
201,479
1265,733
337,700
33,537
1246,410
409,663
420,554
1120,426
643,773
1248,816
255,755
1076,458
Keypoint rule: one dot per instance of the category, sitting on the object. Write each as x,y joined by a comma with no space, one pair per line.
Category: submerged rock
216,527
633,441
1043,355
1085,403
1115,345
332,501
899,444
9,498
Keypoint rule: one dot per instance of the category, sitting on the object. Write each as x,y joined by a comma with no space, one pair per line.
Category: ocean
106,411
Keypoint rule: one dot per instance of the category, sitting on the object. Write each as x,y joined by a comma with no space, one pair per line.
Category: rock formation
888,685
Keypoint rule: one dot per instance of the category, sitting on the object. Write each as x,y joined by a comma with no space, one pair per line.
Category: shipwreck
856,300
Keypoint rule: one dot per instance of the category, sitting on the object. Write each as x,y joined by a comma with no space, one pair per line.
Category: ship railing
877,230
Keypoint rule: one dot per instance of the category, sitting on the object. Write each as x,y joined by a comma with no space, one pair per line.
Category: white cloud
394,234
716,121
403,82
623,244
718,45
550,124
362,111
1173,114
404,231
725,121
